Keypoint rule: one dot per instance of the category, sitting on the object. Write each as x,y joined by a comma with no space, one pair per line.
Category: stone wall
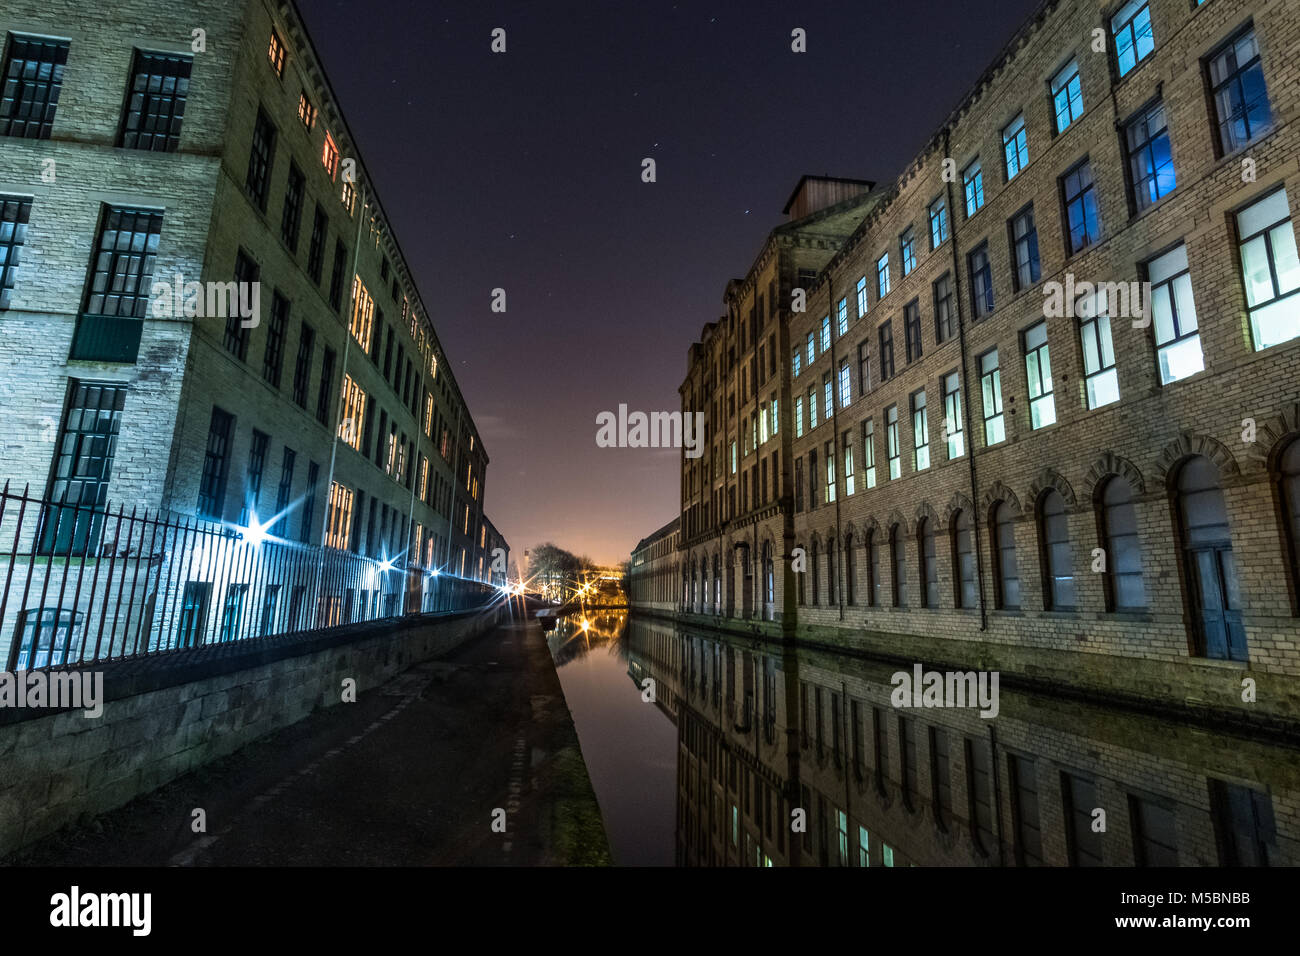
171,714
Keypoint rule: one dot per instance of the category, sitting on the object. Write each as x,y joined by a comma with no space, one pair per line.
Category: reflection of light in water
574,636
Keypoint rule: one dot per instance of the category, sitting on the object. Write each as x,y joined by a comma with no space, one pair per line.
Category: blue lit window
1015,146
1067,96
938,223
973,182
1150,159
1131,28
907,248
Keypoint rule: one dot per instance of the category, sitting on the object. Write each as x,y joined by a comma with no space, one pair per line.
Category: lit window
352,413
1067,96
882,276
848,485
826,333
330,157
907,250
1270,269
952,425
339,524
812,349
938,223
869,451
349,197
812,408
862,296
1015,147
830,484
798,417
1038,369
972,179
842,316
797,362
920,433
1131,28
363,314
991,391
891,442
306,111
276,54
845,384
1101,380
1150,159
1173,310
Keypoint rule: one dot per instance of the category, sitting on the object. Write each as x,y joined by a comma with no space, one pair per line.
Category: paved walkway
409,775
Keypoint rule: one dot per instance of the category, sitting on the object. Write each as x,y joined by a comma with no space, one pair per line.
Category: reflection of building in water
764,729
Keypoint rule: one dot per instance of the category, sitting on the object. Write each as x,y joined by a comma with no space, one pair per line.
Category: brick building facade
987,450
200,142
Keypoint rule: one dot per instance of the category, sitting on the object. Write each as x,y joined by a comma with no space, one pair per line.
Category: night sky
523,171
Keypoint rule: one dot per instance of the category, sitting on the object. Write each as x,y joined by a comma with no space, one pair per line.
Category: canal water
628,743
709,749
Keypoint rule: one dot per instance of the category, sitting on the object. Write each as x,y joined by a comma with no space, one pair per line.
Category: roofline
829,179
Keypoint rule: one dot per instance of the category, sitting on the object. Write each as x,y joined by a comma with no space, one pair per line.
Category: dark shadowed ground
409,775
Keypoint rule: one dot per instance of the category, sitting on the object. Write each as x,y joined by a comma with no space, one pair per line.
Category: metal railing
82,583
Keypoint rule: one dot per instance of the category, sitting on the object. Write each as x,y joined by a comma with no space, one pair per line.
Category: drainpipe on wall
835,438
976,519
410,517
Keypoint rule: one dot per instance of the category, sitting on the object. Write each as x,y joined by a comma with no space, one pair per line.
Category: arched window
1214,602
816,575
717,583
830,571
850,586
963,561
1058,562
1290,469
928,567
898,548
873,568
1004,554
1123,547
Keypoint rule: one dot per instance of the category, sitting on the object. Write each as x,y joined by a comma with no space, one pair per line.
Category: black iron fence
87,583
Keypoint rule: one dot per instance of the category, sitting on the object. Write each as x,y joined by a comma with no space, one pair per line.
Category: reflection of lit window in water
892,799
